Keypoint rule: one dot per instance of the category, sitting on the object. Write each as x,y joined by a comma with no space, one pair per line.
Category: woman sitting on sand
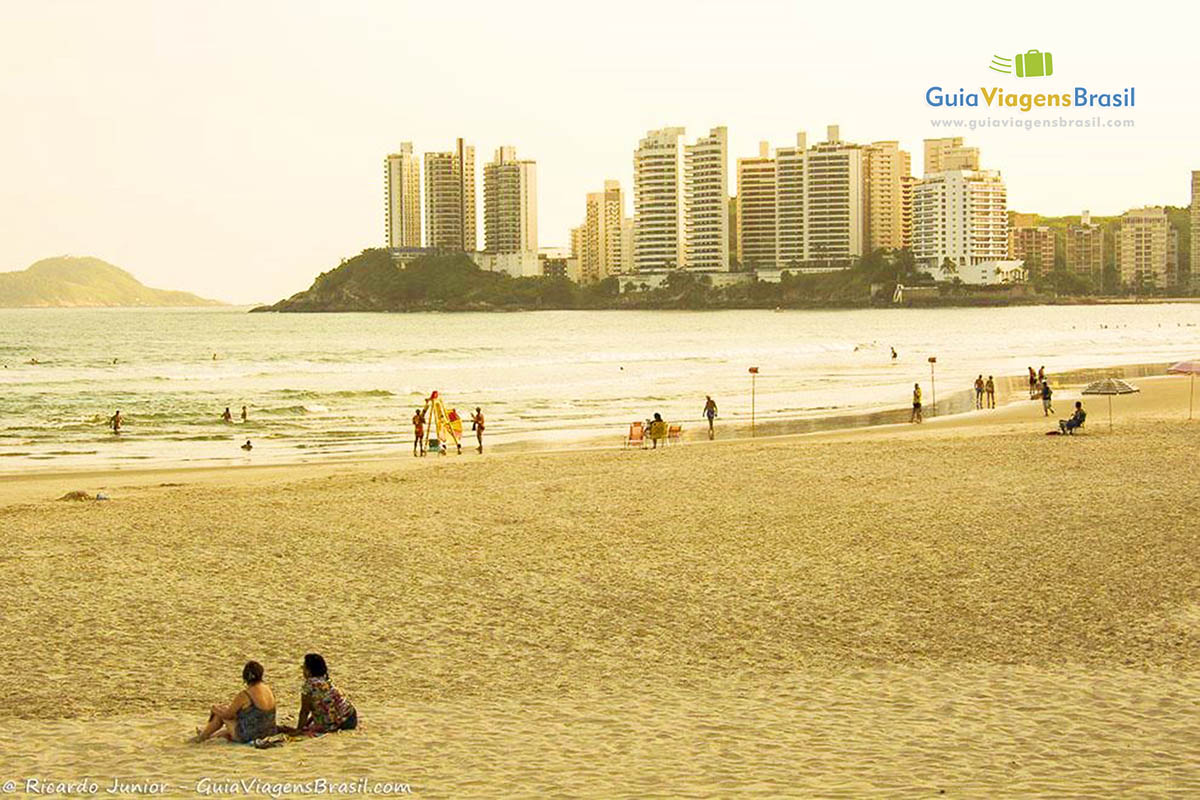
323,708
250,714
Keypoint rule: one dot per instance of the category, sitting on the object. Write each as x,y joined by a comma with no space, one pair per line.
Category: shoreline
886,423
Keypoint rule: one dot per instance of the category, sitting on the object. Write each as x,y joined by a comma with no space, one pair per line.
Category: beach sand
965,608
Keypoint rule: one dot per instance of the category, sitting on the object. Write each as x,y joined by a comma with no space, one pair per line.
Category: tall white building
791,167
657,204
706,193
1147,249
756,182
450,199
509,204
960,222
402,197
835,207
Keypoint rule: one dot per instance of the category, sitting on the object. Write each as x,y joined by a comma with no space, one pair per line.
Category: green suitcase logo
1034,64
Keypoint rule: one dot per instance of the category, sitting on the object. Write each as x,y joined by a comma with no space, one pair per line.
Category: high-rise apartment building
705,194
959,220
908,185
1195,265
790,176
600,242
886,169
1147,249
756,210
942,155
509,204
402,197
1033,244
450,199
835,207
1083,249
657,201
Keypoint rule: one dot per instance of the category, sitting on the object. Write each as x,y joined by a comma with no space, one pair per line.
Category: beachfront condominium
959,221
600,242
450,199
756,210
790,171
402,197
886,168
908,185
835,202
942,155
1083,250
1033,244
1147,249
509,204
1195,275
657,201
705,202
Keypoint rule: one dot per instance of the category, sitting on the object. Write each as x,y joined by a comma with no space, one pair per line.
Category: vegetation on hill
84,282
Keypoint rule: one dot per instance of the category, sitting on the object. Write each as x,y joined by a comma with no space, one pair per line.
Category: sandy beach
965,608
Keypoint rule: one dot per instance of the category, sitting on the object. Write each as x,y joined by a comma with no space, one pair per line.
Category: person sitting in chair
657,430
1069,425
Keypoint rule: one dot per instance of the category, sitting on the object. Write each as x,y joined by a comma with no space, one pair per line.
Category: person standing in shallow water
419,431
979,391
243,413
710,413
227,417
990,389
116,420
477,426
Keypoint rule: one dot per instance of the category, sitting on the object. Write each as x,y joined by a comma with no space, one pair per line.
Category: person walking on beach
1046,394
916,412
419,432
710,413
1032,383
116,421
477,426
990,388
979,391
1042,374
227,417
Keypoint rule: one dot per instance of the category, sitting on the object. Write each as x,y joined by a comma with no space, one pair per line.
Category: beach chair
674,433
637,435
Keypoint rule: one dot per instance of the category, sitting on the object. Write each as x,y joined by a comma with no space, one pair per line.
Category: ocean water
320,386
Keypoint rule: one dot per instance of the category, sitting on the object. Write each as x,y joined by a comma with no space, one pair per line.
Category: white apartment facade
402,198
657,202
450,221
790,176
960,222
835,208
706,193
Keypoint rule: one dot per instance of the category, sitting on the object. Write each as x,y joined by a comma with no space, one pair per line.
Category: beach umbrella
1110,387
1187,368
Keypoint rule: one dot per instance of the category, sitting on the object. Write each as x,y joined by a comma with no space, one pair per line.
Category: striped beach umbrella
1110,387
1189,368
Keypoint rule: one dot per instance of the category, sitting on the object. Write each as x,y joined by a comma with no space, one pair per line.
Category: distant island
84,282
372,281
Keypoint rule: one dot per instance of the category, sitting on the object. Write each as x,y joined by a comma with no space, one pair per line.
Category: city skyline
236,152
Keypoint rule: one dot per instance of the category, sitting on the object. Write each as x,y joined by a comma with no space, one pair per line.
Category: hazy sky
235,149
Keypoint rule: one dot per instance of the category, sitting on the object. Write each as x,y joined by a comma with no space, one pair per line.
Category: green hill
84,282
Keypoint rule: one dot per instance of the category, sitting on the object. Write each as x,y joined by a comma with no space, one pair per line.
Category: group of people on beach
422,443
985,392
250,715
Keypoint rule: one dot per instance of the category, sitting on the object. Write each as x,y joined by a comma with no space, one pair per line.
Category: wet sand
965,606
